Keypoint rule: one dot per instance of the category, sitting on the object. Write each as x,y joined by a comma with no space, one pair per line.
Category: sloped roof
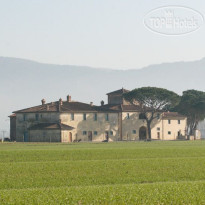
172,114
65,107
77,106
49,107
122,108
109,107
51,126
118,92
13,115
131,108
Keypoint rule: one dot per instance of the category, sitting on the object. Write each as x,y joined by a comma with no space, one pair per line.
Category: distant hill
24,83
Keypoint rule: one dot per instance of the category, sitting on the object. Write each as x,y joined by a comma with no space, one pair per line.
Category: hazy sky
106,33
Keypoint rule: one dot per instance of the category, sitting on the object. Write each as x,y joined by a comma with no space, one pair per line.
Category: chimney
91,103
60,101
43,101
102,103
68,98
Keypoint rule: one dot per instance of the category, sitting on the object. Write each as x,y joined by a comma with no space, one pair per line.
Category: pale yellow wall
157,128
67,136
30,117
44,136
22,126
174,127
101,126
134,123
128,125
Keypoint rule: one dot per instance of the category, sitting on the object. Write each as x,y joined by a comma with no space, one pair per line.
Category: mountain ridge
25,82
98,68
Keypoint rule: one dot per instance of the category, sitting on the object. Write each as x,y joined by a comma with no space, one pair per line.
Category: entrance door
107,135
25,137
179,134
158,135
90,136
143,133
70,137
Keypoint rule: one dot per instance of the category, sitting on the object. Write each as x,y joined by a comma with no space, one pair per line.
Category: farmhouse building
68,121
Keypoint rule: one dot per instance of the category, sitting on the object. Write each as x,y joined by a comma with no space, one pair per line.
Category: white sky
106,33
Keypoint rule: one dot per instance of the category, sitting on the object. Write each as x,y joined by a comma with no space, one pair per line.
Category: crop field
154,172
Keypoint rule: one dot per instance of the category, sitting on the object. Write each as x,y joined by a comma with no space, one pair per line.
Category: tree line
151,101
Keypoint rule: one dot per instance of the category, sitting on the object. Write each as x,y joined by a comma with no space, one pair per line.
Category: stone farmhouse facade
69,121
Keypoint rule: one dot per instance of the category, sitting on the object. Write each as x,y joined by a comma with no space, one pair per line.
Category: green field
154,172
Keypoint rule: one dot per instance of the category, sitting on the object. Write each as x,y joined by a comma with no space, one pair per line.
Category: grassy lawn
103,173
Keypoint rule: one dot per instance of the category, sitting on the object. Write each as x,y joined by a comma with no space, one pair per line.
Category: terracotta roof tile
172,114
65,107
110,107
49,107
122,107
13,115
77,106
51,126
135,108
121,91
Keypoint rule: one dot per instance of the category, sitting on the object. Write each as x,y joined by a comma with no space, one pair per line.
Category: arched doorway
70,137
143,133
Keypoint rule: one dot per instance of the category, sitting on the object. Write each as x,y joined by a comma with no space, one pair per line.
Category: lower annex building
68,121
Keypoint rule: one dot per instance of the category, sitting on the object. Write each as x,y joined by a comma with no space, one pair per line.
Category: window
84,132
169,132
41,116
72,117
142,116
24,117
158,116
111,132
179,122
107,117
37,117
134,132
95,133
84,116
95,117
158,129
169,121
128,115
